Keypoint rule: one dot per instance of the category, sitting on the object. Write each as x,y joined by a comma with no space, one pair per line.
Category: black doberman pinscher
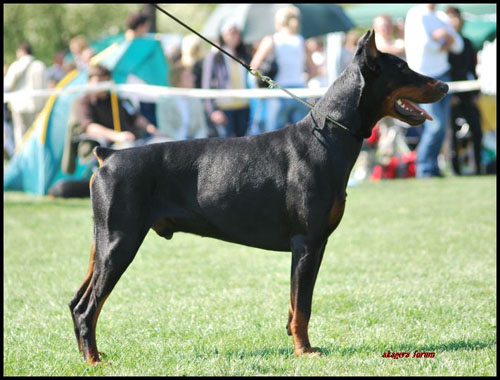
283,191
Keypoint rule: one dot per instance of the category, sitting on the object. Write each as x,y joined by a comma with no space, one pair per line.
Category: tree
50,27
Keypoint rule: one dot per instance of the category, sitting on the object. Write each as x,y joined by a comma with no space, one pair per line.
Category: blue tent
36,166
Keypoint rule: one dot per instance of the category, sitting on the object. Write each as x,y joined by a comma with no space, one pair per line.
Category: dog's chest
335,214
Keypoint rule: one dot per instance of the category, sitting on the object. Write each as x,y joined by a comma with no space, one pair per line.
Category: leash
255,72
115,110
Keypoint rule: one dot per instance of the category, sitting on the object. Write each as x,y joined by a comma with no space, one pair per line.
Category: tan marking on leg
93,353
84,286
290,316
301,343
90,271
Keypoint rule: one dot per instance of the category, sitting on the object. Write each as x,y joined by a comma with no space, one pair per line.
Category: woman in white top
292,59
181,117
428,38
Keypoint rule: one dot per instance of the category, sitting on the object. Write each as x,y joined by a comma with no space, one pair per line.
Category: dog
282,191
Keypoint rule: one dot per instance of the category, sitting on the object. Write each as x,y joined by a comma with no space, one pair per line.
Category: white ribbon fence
159,91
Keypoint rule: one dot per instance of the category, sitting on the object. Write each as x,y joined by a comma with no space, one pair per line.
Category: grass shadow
349,350
262,353
454,345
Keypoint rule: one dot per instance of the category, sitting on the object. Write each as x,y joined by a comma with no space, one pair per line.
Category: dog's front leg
306,258
290,311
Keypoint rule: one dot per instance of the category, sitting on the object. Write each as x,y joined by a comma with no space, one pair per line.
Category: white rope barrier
158,91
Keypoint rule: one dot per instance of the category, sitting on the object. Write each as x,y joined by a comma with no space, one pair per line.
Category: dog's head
390,87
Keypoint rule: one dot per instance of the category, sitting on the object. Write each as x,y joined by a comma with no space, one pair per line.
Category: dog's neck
344,102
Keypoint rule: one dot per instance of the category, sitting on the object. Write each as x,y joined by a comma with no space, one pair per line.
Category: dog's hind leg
114,252
306,258
80,292
118,234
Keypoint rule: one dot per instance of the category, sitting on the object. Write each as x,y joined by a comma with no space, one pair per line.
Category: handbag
268,68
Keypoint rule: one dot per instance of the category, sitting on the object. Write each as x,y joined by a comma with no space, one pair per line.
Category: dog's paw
308,351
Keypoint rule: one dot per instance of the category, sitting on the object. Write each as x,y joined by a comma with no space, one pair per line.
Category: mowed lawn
412,267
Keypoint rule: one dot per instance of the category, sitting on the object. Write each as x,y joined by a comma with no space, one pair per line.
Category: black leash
203,38
253,71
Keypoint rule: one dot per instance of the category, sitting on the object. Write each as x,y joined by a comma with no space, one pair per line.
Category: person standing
385,38
293,61
56,72
464,104
77,46
230,117
26,73
192,57
138,25
429,37
182,117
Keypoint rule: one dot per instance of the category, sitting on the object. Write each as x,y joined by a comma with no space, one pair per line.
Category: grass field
412,267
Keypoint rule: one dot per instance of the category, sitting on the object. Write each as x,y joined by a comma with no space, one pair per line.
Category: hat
229,23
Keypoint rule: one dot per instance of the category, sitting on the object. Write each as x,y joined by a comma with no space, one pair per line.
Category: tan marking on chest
164,228
335,215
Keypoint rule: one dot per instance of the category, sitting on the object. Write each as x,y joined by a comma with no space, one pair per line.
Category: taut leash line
254,72
203,38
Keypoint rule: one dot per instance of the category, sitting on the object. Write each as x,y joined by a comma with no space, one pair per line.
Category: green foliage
49,27
411,267
195,15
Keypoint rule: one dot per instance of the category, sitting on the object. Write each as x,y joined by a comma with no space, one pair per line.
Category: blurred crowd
429,40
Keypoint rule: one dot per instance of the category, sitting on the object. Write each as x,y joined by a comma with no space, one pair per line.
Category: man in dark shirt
97,114
464,104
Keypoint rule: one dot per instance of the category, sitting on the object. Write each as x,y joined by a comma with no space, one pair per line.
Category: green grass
411,267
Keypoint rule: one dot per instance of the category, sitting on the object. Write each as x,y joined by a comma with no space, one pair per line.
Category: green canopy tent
36,166
480,19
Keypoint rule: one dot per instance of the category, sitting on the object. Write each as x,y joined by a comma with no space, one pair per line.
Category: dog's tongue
417,108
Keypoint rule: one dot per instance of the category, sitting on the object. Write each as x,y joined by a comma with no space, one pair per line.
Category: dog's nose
443,87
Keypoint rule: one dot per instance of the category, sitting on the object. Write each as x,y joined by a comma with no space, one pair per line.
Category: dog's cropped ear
367,49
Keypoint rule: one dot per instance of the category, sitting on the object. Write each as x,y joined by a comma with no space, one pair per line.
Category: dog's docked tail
102,153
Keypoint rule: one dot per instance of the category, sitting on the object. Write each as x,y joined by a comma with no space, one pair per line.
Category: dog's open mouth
410,110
